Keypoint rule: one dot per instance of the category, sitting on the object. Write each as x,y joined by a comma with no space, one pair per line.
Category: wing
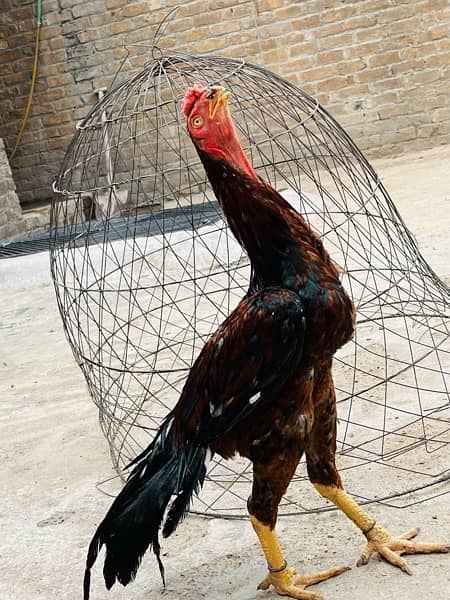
245,363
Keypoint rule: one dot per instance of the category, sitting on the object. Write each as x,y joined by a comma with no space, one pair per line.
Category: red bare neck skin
223,143
237,157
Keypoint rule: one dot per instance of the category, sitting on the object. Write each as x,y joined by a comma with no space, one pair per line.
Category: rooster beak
218,98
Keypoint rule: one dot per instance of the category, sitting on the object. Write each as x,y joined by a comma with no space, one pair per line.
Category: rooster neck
264,223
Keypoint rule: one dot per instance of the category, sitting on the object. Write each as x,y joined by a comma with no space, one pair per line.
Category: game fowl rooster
261,387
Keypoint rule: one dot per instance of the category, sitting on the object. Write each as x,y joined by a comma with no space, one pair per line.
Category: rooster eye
197,121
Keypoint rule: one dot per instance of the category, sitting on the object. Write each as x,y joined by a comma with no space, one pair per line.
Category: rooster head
211,127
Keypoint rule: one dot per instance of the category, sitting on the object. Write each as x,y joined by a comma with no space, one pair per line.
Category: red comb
191,96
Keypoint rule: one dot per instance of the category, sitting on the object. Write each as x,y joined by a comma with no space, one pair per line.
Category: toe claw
405,568
365,556
264,585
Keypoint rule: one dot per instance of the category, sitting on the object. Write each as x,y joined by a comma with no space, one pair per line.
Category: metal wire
142,286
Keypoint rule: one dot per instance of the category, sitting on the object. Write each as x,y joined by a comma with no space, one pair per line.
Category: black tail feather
191,486
132,524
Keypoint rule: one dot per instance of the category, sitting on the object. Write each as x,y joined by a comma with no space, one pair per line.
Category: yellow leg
379,540
270,545
283,578
342,500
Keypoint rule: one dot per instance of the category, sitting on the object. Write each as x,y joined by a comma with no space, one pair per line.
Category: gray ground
52,455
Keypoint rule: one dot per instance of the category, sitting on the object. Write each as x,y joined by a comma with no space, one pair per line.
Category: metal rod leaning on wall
33,78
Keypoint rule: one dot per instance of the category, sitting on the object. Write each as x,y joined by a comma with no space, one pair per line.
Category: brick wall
381,67
11,221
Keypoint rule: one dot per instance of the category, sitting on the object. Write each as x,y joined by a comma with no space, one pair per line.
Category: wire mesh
145,268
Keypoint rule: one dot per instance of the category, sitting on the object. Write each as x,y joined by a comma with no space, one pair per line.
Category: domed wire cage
145,269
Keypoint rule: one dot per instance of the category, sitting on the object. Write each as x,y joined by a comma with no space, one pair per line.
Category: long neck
259,219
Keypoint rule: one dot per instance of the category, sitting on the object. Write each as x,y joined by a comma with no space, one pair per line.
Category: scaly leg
283,578
320,453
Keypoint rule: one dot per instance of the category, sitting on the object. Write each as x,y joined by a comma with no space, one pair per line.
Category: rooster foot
288,583
391,549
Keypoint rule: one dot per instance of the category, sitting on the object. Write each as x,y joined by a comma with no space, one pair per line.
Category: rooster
261,387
